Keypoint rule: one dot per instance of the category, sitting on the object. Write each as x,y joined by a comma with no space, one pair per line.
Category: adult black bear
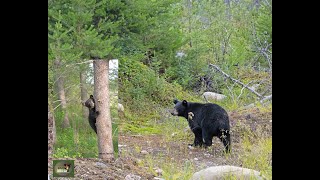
205,121
90,104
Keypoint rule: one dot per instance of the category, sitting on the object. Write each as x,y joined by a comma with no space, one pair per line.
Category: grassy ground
165,138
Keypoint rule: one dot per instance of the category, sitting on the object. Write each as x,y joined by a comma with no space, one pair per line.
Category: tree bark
228,9
51,132
256,3
83,92
189,5
62,96
102,104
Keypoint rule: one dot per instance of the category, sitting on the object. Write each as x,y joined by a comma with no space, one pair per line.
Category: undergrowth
79,140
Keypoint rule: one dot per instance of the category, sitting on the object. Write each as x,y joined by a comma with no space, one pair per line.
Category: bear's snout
174,112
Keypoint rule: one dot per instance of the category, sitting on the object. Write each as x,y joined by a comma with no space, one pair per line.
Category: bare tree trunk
62,96
102,104
51,132
256,3
63,102
189,4
228,10
84,93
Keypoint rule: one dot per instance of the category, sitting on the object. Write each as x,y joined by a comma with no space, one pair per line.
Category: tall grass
257,155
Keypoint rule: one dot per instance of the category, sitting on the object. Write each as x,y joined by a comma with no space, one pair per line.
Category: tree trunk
228,9
189,4
62,96
256,3
84,93
51,132
102,104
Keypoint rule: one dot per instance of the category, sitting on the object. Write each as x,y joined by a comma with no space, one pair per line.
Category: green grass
257,155
171,170
142,124
254,151
79,140
176,129
72,143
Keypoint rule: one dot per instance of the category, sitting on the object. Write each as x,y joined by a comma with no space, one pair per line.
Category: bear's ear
175,101
91,96
184,102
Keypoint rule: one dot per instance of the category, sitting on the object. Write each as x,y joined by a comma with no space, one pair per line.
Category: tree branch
89,61
236,81
243,89
266,98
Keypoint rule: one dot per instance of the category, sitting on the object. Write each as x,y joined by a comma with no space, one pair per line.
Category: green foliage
66,146
264,21
148,82
78,141
140,84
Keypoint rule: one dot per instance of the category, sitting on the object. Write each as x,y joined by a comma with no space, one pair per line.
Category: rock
144,152
137,161
158,178
120,145
120,107
180,54
221,172
196,159
249,106
190,147
158,171
132,177
126,166
213,96
99,164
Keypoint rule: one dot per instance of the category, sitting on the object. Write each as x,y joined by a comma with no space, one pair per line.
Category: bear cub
205,121
93,114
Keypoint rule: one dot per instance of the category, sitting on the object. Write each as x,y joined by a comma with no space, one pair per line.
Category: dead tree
261,97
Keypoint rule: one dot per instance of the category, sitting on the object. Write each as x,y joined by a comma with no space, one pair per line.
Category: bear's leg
197,137
93,125
224,136
96,114
207,138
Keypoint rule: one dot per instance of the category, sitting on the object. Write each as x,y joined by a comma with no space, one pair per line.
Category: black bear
205,121
90,104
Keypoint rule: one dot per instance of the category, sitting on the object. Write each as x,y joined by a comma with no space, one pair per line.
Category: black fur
93,114
205,121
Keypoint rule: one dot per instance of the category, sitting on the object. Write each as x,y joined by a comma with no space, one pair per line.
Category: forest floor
154,157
